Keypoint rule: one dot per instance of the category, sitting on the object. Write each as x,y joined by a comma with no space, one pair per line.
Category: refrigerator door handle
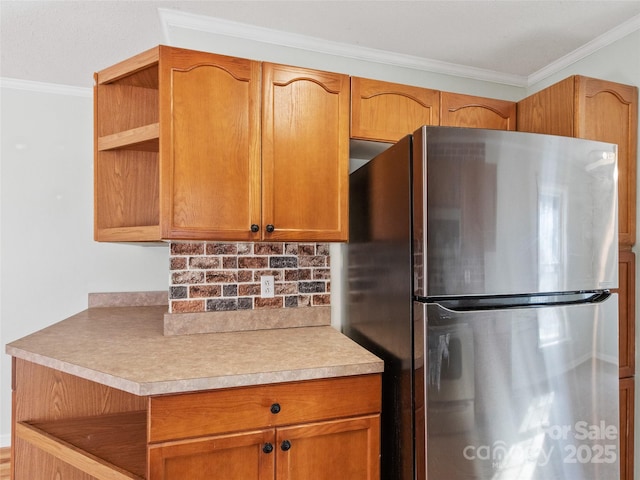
499,302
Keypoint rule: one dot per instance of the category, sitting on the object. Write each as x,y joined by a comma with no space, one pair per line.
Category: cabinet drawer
243,408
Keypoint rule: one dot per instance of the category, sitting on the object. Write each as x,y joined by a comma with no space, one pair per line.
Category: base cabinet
329,450
80,430
233,457
322,451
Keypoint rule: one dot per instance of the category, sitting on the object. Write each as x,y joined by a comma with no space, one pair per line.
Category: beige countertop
125,348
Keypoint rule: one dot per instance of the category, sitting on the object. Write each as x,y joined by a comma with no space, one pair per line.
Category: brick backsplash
213,277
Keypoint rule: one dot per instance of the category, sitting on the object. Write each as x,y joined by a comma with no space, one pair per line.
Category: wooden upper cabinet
598,110
199,146
458,110
177,147
305,154
386,112
210,145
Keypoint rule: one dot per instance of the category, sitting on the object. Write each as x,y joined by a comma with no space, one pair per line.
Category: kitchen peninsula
108,394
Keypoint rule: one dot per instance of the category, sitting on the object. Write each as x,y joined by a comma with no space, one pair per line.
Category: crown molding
43,87
587,49
176,19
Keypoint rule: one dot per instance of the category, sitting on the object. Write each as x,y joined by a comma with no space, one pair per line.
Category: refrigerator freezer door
526,393
499,213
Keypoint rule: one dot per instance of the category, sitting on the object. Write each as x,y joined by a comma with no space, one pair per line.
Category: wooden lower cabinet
329,450
237,456
75,429
322,451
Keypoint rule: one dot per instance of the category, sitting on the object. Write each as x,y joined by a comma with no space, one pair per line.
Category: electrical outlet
267,286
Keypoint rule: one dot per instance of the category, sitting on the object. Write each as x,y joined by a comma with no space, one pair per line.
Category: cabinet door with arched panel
386,112
459,110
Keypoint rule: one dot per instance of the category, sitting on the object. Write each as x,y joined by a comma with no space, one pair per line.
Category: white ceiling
64,42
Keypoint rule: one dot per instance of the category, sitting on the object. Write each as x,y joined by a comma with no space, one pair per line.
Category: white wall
340,61
49,261
618,62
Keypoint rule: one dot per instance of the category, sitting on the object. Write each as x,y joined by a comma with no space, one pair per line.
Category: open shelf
127,156
107,447
143,138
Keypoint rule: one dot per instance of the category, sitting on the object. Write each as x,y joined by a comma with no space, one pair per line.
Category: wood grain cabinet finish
305,154
459,110
180,137
626,312
71,428
595,109
346,448
386,112
627,406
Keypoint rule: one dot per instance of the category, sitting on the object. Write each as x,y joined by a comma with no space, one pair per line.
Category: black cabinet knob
267,448
286,445
275,408
270,228
255,228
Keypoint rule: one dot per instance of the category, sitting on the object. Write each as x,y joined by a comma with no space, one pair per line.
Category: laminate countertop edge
125,348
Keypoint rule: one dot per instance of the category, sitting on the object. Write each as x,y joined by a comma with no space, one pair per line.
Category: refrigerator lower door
523,393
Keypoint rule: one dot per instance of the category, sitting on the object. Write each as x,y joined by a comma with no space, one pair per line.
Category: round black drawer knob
270,228
286,445
267,448
275,408
255,228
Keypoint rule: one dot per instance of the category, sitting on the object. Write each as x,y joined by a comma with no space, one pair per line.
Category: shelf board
145,138
143,233
107,447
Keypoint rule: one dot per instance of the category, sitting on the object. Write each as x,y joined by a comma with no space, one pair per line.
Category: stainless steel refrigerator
479,267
